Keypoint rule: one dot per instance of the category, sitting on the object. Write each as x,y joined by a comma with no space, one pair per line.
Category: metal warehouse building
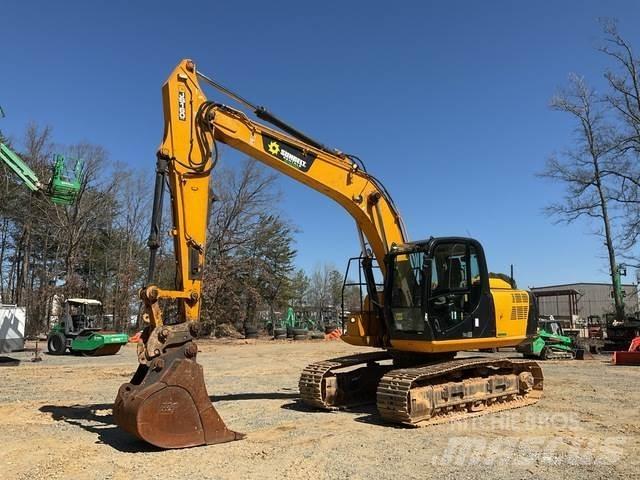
580,300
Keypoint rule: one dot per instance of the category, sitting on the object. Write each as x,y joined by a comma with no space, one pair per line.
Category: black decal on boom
289,154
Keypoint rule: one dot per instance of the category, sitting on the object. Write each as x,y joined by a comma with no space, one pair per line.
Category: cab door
459,303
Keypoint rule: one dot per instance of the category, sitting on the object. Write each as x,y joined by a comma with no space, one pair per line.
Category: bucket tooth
167,405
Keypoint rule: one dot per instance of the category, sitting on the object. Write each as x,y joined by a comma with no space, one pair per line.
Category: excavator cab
438,290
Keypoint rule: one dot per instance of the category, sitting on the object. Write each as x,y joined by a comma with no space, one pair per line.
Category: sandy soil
56,423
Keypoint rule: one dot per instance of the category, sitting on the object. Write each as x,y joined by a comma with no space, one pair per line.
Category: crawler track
457,389
441,392
559,355
323,386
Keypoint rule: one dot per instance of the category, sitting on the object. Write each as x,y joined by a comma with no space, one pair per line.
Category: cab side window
456,286
449,267
408,290
449,284
476,281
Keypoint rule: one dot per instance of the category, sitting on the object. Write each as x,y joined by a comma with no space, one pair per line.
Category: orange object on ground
631,357
135,338
335,335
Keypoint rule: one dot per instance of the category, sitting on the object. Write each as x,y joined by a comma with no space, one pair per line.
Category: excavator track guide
457,390
423,395
343,382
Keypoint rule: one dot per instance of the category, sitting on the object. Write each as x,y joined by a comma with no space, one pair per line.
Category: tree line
93,248
96,248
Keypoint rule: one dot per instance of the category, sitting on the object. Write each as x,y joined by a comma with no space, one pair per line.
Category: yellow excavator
435,298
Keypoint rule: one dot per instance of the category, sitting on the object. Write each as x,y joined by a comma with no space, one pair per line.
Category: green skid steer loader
79,330
550,343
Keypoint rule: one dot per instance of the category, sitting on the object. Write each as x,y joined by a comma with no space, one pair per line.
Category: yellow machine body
166,402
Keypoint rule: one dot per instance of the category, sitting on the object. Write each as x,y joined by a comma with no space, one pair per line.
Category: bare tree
624,83
623,98
88,218
96,247
584,170
320,288
125,254
240,198
26,240
249,248
299,289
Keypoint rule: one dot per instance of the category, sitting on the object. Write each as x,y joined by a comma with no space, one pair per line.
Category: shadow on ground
373,418
299,406
254,396
367,413
9,362
98,419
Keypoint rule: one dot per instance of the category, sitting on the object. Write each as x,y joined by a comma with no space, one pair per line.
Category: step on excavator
435,298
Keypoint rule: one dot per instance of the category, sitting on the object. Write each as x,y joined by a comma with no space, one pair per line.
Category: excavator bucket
166,403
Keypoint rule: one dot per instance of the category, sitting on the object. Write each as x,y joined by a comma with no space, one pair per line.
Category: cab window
408,291
455,285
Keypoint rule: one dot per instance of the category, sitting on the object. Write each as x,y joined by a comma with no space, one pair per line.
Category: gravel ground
56,423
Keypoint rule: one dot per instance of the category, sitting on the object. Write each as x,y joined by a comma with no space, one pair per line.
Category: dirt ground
56,423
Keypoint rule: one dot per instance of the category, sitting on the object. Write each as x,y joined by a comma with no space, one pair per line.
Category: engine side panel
512,312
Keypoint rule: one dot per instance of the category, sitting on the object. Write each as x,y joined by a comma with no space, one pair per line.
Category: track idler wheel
166,403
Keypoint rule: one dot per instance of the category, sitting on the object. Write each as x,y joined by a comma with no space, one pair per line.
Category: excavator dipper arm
166,401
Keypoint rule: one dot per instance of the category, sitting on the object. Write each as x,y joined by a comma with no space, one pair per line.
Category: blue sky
447,102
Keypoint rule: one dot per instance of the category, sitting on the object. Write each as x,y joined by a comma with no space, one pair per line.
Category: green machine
62,188
79,331
550,343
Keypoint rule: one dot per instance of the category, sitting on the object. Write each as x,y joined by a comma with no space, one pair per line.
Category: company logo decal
289,154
